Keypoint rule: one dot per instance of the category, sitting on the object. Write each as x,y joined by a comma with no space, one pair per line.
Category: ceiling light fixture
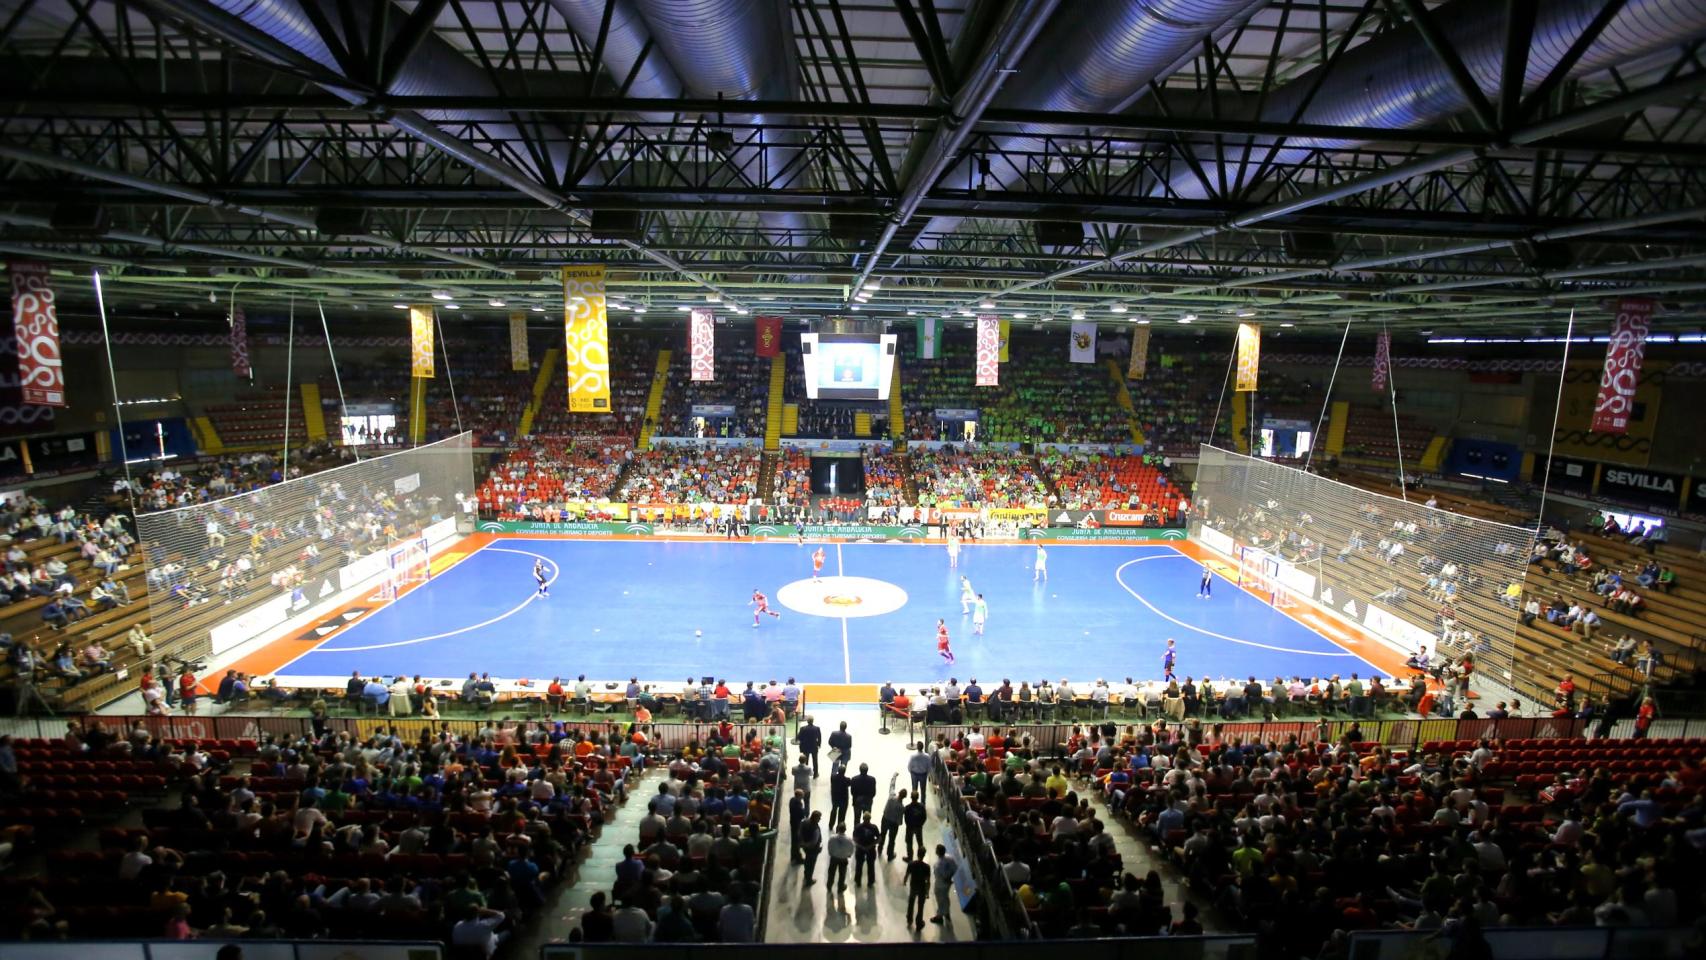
965,313
1288,326
640,308
1246,313
1117,308
442,295
684,308
495,302
452,306
986,305
1077,314
1143,321
873,285
1187,318
713,298
1020,315
912,313
538,309
400,306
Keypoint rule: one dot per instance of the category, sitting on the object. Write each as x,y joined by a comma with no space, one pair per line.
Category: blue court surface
668,610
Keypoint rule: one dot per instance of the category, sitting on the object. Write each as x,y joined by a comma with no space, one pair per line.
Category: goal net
1265,575
408,563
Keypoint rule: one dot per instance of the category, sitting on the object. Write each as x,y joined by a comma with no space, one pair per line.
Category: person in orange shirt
554,694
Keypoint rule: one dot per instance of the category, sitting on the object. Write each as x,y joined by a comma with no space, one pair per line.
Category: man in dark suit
798,810
810,738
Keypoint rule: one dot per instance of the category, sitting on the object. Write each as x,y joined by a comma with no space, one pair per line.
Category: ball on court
698,633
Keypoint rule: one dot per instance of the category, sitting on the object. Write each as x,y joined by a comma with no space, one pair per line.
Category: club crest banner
988,351
1083,342
1382,361
1621,376
767,334
240,343
1139,364
586,339
35,323
1249,356
1006,338
420,342
701,345
518,341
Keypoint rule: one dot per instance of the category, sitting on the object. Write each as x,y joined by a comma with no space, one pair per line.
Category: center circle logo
842,597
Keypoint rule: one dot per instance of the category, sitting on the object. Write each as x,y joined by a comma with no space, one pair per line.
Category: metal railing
998,907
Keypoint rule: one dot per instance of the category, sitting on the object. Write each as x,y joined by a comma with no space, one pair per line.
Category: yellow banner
1018,513
518,341
1139,364
1006,337
1249,356
586,334
420,342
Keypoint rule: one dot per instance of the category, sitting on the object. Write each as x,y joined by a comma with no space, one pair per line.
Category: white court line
556,572
846,658
1208,633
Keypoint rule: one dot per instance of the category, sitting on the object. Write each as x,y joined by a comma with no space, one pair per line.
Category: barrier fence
984,888
1402,734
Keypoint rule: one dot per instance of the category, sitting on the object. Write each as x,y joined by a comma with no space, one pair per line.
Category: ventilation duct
1394,81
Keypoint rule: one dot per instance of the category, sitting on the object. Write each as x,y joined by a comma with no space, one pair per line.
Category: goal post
409,562
1274,578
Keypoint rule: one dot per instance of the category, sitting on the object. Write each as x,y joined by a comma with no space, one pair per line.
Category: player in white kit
953,551
967,595
979,614
1042,564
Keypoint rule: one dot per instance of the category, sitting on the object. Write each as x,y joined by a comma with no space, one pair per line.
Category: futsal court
669,610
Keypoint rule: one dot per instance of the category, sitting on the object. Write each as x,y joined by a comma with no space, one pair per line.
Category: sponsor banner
838,446
240,344
1217,541
566,528
1567,473
1138,365
1022,514
408,484
988,362
767,335
1006,332
713,409
518,341
955,413
1621,376
1249,356
1382,361
701,345
577,510
1398,633
1072,518
356,572
1296,581
35,324
1082,342
1106,533
708,441
254,621
62,453
1697,496
1132,449
927,334
440,531
420,343
14,462
1628,483
586,339
1124,518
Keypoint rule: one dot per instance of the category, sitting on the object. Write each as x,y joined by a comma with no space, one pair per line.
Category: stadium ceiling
1471,165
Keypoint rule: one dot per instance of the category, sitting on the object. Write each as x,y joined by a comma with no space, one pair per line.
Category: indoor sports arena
575,479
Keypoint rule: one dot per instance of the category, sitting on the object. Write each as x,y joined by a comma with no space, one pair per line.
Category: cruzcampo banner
420,342
1249,356
586,338
1621,375
1139,364
35,323
988,352
518,341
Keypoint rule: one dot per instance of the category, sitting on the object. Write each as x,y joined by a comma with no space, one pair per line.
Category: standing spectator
810,840
893,811
914,816
866,837
798,809
917,890
918,766
809,738
840,792
864,791
943,873
841,849
842,742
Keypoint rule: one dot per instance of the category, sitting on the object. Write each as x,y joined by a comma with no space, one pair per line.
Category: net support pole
450,378
1218,401
118,410
343,406
289,371
1327,400
1397,437
1552,444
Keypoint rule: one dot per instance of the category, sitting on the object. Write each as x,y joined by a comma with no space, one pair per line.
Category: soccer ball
698,633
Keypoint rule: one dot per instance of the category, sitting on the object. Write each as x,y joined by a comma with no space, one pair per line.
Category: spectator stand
999,914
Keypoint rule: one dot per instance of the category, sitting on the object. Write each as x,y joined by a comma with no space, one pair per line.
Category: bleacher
256,419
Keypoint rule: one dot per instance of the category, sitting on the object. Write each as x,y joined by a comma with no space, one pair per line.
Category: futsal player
1205,589
953,551
942,642
1168,659
817,565
539,577
1042,564
967,595
761,605
979,614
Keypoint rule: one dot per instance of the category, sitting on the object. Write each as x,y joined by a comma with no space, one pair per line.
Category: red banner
1622,373
701,349
769,335
988,351
1382,361
41,370
240,343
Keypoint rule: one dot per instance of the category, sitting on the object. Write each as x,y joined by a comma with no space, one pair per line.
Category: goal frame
408,562
1259,572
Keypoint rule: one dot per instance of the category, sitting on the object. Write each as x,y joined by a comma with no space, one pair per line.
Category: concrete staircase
313,413
897,410
654,399
597,868
773,409
542,382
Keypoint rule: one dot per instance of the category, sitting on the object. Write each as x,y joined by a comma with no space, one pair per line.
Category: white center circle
842,597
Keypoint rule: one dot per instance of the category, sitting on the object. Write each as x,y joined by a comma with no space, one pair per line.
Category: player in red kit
817,564
761,605
942,642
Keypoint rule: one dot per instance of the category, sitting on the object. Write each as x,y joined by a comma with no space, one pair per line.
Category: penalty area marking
1208,633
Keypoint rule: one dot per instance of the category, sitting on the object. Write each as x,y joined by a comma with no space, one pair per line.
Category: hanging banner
1139,364
767,335
420,342
1382,361
35,322
518,341
240,343
1006,335
988,351
701,345
927,338
1249,356
586,339
1621,376
1084,342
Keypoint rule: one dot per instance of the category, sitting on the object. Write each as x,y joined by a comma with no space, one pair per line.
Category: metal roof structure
1472,165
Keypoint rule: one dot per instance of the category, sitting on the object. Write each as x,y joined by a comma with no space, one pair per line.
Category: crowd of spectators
973,478
693,473
1176,401
633,366
538,477
885,478
792,483
1096,481
1041,398
742,381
